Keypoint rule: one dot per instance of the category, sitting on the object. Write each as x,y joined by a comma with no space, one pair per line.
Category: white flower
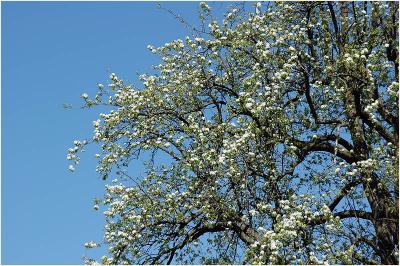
205,6
84,95
258,6
96,123
71,168
91,244
253,212
364,51
248,105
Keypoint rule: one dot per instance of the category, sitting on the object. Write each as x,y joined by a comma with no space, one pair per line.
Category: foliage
281,129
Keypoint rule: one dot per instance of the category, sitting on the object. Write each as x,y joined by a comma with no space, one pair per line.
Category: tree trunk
384,209
385,217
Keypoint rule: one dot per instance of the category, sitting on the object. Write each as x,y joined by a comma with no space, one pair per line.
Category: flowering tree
281,129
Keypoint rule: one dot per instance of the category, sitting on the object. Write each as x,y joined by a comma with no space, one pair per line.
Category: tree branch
321,144
379,128
343,193
359,214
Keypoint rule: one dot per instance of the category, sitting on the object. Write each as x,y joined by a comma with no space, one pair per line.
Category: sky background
51,54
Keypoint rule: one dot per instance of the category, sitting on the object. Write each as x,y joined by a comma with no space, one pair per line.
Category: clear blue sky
51,53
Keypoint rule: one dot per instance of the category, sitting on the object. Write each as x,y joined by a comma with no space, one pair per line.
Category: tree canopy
281,129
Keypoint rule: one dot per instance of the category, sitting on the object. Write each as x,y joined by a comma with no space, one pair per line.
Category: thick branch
359,214
320,144
346,189
334,20
244,231
379,128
